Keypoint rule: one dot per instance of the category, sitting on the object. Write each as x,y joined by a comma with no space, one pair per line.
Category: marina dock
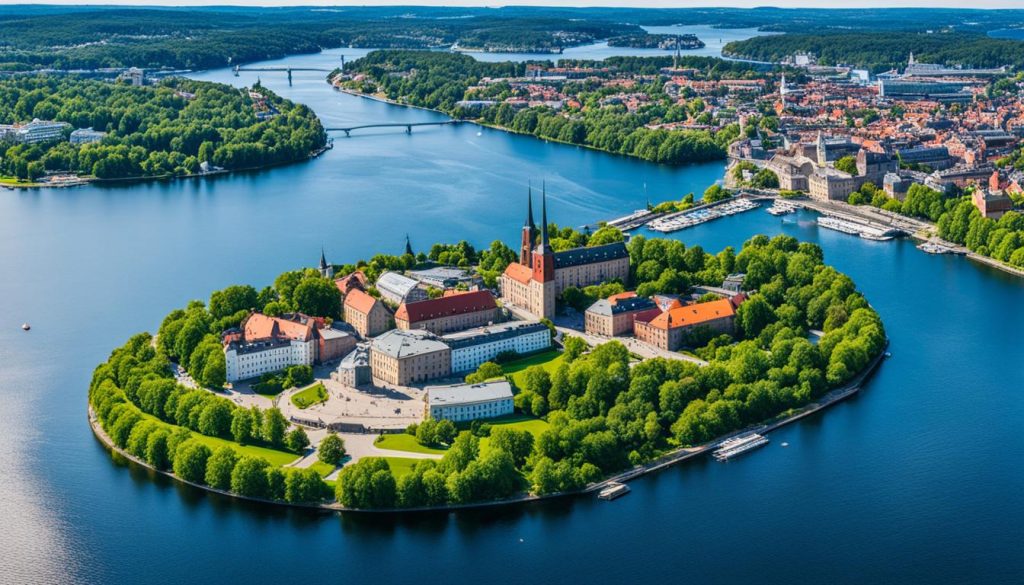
637,219
856,227
702,214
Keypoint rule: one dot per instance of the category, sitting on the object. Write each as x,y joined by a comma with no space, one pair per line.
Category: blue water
916,480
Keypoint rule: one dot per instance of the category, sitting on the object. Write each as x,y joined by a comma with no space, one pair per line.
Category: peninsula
411,381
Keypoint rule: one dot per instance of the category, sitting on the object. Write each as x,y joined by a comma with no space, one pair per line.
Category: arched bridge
408,126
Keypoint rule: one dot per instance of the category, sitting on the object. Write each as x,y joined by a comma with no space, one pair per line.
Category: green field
550,359
315,394
522,422
404,442
323,469
275,457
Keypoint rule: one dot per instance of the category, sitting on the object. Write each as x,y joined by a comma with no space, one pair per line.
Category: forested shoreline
166,130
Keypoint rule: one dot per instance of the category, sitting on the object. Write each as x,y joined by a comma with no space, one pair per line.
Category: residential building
366,314
335,341
33,132
449,313
616,315
397,288
403,357
541,274
476,346
467,402
673,328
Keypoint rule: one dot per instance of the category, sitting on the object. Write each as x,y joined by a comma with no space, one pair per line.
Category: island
62,131
684,42
407,382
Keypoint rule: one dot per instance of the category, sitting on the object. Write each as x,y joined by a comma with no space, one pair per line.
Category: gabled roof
470,302
359,301
519,272
355,280
262,327
694,314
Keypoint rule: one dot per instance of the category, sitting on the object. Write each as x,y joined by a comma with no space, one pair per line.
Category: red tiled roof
694,314
621,295
519,272
359,301
470,302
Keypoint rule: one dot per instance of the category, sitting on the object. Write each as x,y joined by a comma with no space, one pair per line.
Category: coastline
667,460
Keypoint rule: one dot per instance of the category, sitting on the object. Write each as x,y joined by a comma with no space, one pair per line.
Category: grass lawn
275,457
550,360
315,394
522,422
401,465
404,442
322,468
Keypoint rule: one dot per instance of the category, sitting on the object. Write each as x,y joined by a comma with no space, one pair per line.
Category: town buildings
397,289
991,204
452,312
354,369
365,313
267,344
476,346
33,132
615,315
467,402
403,357
86,136
673,328
541,274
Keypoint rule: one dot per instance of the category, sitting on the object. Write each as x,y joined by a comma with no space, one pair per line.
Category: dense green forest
604,415
152,131
880,51
189,39
441,80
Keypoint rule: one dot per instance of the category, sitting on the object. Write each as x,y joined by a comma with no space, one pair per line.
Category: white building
86,135
466,402
398,289
35,131
473,347
250,360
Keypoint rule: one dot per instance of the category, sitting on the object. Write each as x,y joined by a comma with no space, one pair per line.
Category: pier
702,214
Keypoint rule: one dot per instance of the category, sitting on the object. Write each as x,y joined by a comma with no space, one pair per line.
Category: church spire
545,244
323,259
408,246
529,210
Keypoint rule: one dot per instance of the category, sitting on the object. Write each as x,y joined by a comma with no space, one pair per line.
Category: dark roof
580,256
493,333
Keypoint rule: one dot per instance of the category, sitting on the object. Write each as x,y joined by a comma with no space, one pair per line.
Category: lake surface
918,479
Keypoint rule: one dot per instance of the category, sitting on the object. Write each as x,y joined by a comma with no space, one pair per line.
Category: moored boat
613,490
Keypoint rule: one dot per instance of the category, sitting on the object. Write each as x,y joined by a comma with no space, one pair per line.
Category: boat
613,490
781,208
25,326
739,445
704,213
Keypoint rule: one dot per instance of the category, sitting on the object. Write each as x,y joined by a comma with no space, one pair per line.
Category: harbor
781,207
739,445
859,228
703,214
637,219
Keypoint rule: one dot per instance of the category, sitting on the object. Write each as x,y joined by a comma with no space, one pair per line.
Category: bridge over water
407,125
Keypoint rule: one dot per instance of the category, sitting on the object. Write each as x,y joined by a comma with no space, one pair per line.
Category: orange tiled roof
359,301
621,295
694,314
519,272
355,280
259,326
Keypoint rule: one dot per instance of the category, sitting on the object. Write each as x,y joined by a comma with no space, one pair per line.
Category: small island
341,387
61,131
685,42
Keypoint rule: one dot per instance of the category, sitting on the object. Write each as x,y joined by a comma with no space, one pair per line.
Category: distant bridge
408,126
288,69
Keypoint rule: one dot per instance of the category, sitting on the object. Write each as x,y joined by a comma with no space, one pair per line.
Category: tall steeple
675,56
323,259
408,246
544,257
544,243
529,230
326,270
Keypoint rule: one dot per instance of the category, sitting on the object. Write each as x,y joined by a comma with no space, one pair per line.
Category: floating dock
933,248
613,490
692,217
739,445
637,219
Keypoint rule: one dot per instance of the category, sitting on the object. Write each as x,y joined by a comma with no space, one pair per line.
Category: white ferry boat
781,207
739,445
613,490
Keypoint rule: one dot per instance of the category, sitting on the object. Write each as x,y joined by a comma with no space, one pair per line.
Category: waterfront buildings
366,314
267,344
991,204
541,274
672,329
452,312
467,402
33,132
476,346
